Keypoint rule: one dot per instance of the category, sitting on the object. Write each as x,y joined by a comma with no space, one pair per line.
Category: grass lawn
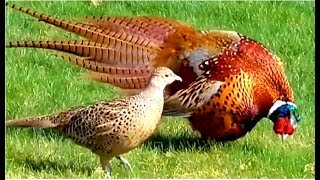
39,83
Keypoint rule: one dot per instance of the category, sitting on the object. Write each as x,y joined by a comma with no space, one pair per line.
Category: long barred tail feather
37,122
119,50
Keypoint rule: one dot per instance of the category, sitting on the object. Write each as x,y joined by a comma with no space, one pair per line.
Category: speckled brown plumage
230,81
111,128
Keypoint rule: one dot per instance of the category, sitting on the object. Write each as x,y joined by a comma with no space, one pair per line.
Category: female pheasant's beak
285,119
178,78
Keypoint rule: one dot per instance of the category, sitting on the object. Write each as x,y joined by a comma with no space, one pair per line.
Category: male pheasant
230,81
111,128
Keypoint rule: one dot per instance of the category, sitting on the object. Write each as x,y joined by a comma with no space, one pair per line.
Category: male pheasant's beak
284,136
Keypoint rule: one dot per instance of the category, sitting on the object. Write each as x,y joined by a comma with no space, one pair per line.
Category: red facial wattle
283,126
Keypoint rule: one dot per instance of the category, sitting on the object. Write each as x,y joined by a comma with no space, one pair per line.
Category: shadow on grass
181,143
45,165
163,143
188,142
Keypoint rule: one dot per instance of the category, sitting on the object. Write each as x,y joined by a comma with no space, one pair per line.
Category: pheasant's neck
276,83
264,98
268,90
155,98
154,91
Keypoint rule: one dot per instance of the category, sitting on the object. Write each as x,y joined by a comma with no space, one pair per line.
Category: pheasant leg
107,171
106,166
125,163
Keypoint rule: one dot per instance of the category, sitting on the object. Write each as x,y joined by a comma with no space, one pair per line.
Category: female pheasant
110,128
230,81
